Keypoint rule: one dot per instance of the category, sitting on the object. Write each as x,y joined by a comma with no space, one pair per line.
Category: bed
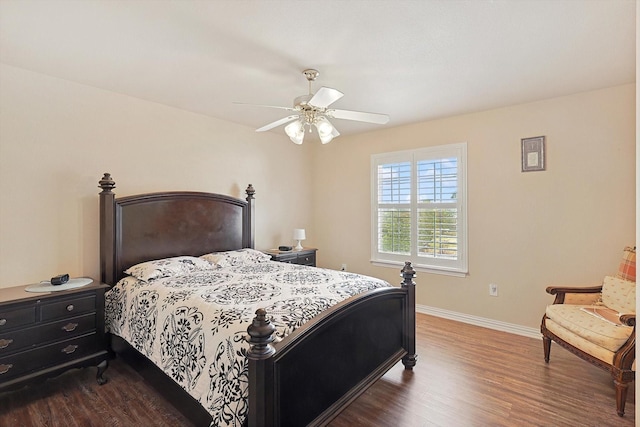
288,370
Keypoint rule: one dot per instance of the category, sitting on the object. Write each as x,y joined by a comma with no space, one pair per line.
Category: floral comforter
192,325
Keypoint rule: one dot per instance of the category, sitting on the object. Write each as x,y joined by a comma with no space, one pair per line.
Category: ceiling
413,60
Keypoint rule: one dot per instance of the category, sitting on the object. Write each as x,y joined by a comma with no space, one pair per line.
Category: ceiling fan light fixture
327,139
325,129
312,110
295,131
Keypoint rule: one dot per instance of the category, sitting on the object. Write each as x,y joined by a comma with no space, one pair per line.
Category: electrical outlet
493,289
344,267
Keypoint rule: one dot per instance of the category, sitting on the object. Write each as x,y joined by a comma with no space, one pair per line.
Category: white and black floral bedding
192,324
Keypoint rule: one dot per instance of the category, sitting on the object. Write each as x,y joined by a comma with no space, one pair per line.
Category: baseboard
480,321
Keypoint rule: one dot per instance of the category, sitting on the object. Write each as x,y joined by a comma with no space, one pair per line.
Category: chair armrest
561,291
626,355
628,319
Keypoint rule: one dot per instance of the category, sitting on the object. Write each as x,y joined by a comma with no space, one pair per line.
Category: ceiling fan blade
277,123
266,106
324,97
359,116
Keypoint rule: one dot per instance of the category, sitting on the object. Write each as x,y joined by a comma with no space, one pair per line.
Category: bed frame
305,379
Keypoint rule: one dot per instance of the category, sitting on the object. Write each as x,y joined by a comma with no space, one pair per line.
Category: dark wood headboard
144,227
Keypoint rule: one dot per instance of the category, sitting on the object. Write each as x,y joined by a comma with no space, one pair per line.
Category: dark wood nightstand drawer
66,308
61,330
307,259
57,353
306,256
11,319
288,258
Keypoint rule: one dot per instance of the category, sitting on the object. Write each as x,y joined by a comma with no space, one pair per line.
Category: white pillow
237,258
167,267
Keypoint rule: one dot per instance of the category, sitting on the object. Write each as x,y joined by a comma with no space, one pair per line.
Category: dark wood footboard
312,374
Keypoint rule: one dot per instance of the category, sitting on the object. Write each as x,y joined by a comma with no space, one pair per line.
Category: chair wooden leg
546,342
621,396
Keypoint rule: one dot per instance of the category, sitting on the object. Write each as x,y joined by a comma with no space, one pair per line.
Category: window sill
419,267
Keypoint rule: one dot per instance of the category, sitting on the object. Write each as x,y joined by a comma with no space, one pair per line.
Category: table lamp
299,235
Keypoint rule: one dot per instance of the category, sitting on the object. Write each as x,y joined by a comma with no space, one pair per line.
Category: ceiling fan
313,110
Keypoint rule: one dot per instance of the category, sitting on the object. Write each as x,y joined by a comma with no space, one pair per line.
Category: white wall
566,225
57,138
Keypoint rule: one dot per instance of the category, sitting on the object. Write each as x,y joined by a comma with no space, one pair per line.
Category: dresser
305,256
44,334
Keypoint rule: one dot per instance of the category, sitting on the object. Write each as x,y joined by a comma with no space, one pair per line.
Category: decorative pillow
167,267
619,295
237,258
627,269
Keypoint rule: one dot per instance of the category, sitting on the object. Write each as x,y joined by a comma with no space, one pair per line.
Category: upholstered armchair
597,324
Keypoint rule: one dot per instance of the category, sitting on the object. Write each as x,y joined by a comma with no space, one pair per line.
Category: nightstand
305,256
44,334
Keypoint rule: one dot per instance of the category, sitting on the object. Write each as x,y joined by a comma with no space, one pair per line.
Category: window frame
457,267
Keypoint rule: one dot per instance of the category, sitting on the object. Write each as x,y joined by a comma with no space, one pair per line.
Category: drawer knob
3,322
5,368
69,349
69,327
70,307
5,343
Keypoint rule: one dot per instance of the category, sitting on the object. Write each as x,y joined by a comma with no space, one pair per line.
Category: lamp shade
295,131
299,234
325,129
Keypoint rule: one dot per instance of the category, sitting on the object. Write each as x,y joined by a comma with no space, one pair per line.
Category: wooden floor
465,376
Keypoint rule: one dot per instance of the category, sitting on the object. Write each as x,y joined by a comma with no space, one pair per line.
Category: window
418,208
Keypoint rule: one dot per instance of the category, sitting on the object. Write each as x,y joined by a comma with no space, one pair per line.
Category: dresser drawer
67,308
46,334
11,319
54,354
11,342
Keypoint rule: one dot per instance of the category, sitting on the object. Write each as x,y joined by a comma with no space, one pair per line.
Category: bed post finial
250,192
107,183
261,336
408,274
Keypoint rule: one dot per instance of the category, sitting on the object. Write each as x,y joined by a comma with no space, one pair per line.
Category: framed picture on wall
533,157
